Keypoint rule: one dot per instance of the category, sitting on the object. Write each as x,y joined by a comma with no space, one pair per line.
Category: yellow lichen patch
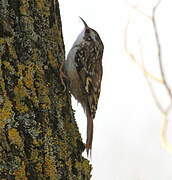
20,172
56,33
86,167
69,164
38,167
52,60
68,126
29,77
14,137
7,43
35,142
26,72
40,4
19,94
12,51
20,91
50,167
46,103
40,71
2,124
24,7
21,67
34,55
8,66
21,107
23,10
5,112
38,141
44,8
78,166
61,100
2,40
34,155
63,154
44,100
83,166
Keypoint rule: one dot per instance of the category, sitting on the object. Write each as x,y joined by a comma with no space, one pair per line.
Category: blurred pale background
126,143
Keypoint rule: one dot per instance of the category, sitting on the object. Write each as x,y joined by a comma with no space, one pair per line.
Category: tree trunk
39,138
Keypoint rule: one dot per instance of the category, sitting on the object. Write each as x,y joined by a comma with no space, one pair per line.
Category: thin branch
138,10
165,112
146,73
157,102
163,81
163,135
159,50
156,6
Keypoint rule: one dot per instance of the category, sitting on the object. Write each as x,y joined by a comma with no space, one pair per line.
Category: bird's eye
88,39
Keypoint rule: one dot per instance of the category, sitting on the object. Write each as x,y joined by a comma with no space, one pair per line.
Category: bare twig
138,10
156,6
157,102
165,112
163,135
159,50
133,58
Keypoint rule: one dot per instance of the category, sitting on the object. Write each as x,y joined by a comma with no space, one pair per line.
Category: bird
84,72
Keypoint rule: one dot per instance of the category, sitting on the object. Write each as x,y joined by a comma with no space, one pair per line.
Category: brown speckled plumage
84,71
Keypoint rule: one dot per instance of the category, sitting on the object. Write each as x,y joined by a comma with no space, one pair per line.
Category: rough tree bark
39,138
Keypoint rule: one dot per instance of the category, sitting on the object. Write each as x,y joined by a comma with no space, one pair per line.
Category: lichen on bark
39,138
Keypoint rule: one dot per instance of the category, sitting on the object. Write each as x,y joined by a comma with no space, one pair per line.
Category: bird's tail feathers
89,133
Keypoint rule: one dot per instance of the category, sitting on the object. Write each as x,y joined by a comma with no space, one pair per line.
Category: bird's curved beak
85,24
